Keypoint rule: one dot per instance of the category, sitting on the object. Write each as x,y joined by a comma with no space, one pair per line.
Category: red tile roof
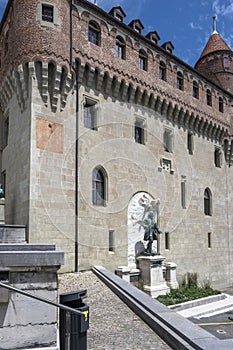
215,43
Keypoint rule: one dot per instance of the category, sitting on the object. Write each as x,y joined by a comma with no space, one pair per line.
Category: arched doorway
139,206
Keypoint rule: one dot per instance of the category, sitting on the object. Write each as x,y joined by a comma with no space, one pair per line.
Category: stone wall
45,104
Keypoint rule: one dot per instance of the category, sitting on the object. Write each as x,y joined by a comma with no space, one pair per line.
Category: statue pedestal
171,275
152,275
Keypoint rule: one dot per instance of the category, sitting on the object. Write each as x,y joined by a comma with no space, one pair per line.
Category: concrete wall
22,318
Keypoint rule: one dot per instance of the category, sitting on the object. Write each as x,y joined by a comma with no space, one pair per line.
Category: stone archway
138,207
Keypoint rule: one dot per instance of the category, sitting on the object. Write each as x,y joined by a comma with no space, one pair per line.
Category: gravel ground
113,326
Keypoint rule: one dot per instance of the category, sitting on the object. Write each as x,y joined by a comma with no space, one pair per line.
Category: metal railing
73,323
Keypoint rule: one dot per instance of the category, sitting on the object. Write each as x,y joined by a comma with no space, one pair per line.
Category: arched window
208,97
220,104
120,47
195,90
94,33
142,60
180,81
99,182
162,71
207,202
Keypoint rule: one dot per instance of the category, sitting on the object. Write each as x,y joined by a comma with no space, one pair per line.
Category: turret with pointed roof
216,61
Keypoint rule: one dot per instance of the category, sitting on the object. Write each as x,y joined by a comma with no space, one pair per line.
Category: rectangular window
209,97
167,241
3,182
139,130
90,115
190,142
209,240
5,131
6,42
168,140
47,13
183,193
111,241
218,157
138,134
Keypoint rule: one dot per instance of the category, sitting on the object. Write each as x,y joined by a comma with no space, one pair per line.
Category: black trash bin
73,328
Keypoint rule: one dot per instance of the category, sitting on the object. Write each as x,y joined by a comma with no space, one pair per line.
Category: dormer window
136,25
119,17
168,46
153,37
118,13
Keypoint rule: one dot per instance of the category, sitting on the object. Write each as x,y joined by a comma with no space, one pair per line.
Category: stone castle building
95,115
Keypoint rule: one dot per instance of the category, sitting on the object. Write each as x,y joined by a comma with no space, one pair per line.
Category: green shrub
186,293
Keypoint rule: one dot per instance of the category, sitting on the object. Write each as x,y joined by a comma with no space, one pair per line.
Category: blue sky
188,24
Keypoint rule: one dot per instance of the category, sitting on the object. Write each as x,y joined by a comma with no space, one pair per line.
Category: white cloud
195,26
223,9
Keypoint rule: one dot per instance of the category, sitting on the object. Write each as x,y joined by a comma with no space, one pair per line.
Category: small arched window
94,33
142,60
207,202
220,104
195,90
99,182
208,97
180,81
162,71
120,47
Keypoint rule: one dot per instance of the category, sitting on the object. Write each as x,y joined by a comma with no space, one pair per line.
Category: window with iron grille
47,13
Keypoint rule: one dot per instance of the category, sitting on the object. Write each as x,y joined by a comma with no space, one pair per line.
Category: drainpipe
74,69
76,171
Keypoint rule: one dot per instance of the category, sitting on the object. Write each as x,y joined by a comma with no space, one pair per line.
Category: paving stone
113,326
